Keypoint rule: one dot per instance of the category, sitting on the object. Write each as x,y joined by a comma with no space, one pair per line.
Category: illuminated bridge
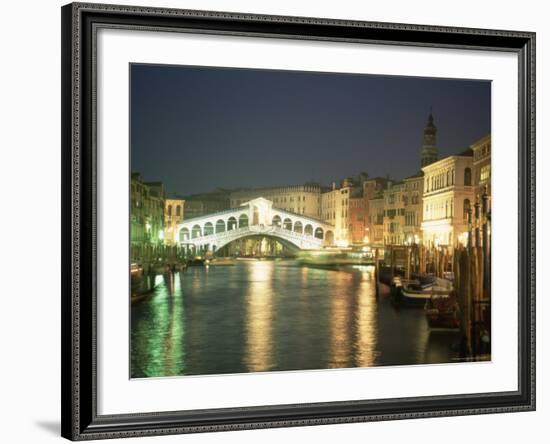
257,217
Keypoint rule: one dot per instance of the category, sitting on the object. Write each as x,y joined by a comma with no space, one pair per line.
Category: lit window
485,173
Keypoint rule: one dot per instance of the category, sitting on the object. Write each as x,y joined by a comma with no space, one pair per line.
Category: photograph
287,220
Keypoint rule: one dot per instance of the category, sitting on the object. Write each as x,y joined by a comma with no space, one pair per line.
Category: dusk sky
197,129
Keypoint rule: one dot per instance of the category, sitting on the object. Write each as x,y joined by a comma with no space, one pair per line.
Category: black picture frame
79,171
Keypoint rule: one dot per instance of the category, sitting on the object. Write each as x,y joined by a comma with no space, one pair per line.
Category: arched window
298,228
287,224
276,220
231,223
243,220
196,231
184,234
467,177
169,210
319,233
178,210
208,228
308,230
220,226
329,238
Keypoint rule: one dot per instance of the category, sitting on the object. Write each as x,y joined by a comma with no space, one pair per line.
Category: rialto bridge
257,217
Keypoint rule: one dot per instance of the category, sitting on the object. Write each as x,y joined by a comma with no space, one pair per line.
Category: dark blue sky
196,128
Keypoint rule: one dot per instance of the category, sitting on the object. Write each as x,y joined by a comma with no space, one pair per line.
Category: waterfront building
394,213
376,219
412,201
335,211
300,199
397,213
357,226
173,216
360,226
482,167
371,189
448,195
146,215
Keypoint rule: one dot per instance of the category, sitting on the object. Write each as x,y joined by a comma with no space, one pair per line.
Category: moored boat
413,293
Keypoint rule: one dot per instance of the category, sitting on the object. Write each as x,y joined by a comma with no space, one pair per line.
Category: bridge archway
196,232
184,234
289,245
231,223
329,237
220,226
208,228
287,224
254,218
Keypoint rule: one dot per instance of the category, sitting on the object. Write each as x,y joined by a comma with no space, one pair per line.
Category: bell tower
429,153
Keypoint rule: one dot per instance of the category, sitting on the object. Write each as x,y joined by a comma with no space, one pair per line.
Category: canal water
275,315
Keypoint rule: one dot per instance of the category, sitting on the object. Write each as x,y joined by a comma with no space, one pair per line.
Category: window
178,210
485,173
467,177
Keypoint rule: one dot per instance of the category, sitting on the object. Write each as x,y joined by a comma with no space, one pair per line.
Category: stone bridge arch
260,217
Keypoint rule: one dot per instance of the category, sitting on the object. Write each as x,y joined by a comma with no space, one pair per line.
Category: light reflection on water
267,315
259,317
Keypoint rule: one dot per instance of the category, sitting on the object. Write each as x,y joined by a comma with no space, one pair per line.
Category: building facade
412,191
336,211
146,214
394,214
448,195
298,199
173,216
357,226
372,189
376,219
482,167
